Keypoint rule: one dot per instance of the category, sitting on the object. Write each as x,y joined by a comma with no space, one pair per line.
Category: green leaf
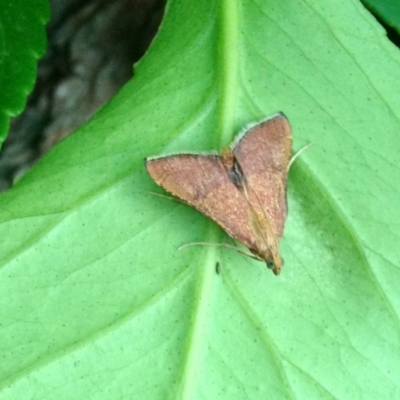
97,301
387,10
22,42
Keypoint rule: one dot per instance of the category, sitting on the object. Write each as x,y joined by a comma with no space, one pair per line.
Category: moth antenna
293,159
226,245
255,213
270,236
165,197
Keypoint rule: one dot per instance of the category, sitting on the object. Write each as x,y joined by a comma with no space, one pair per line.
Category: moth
243,189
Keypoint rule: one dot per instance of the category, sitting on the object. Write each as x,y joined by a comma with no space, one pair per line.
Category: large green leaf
97,301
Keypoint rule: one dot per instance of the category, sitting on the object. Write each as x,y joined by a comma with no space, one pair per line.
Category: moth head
275,264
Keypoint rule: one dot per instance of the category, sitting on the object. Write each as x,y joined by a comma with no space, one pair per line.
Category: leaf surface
98,303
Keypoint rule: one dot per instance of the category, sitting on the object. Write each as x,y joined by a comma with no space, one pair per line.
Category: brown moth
243,190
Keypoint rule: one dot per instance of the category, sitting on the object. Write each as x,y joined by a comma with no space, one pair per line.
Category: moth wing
202,182
263,153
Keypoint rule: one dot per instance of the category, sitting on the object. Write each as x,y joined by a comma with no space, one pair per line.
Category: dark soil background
92,46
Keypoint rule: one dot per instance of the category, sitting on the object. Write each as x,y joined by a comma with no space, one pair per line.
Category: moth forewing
243,190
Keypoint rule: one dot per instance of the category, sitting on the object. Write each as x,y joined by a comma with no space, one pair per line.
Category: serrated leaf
22,42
